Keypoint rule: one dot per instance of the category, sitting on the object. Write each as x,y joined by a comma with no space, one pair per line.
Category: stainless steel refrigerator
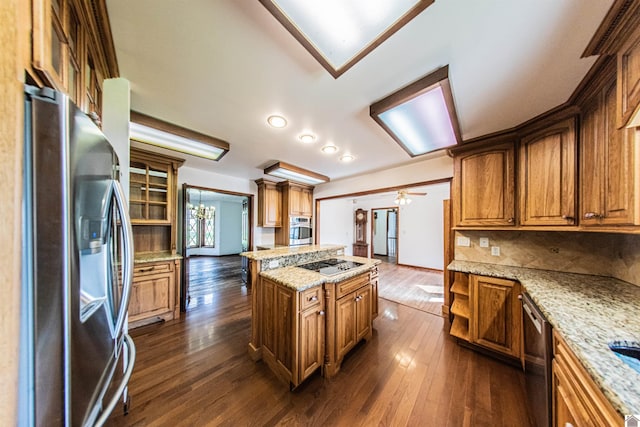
76,356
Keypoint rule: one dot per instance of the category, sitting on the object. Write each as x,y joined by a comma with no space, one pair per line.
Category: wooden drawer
351,285
147,268
310,297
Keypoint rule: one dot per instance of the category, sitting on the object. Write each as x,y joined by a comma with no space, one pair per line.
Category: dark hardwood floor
196,371
208,274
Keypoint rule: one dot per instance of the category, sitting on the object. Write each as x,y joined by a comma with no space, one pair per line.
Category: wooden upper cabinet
484,186
547,168
609,165
72,49
495,314
297,199
629,80
269,204
619,36
152,188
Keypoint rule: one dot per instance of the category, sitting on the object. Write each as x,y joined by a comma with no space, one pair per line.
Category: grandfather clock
361,247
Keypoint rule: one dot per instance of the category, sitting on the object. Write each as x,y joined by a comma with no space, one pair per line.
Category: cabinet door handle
321,313
592,215
313,298
511,220
568,218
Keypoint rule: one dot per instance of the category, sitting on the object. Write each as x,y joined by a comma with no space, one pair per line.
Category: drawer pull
321,313
592,215
145,269
313,298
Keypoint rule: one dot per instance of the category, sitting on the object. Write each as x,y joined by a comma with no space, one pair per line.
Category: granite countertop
155,257
285,251
301,279
589,312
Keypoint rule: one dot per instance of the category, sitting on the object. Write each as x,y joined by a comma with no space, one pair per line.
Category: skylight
421,117
338,33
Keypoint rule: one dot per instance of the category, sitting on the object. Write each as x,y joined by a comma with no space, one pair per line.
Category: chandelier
201,211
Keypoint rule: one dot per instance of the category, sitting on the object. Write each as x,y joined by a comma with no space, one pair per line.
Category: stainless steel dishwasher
537,361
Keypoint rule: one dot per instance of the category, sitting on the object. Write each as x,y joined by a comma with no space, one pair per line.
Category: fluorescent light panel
421,117
294,173
338,33
155,132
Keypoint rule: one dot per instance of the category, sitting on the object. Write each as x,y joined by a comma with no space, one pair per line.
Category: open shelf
460,288
460,328
460,307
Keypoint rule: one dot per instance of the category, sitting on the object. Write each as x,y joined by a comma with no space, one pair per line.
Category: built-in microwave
300,231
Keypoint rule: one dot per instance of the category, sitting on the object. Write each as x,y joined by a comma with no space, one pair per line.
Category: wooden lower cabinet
293,331
577,400
496,321
298,336
349,318
155,292
486,311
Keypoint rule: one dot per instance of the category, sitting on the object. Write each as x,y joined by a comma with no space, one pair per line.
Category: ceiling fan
402,198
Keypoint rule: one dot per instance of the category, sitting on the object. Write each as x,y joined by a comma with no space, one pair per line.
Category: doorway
216,228
384,234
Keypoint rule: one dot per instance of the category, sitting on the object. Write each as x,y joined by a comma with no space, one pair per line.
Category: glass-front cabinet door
150,191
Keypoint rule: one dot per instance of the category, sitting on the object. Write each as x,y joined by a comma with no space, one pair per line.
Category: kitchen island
588,312
303,320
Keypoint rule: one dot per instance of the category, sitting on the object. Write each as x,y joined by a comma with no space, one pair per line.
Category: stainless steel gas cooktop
331,266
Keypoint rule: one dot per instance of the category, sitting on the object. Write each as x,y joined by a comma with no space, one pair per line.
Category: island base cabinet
577,400
293,331
349,319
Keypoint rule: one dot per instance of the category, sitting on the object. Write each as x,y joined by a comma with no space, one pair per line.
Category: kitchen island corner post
329,367
255,345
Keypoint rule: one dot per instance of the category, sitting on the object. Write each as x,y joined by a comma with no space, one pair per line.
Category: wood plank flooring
415,287
196,372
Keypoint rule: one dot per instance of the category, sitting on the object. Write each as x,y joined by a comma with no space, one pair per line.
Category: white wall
420,231
116,100
419,171
202,178
336,223
229,231
379,232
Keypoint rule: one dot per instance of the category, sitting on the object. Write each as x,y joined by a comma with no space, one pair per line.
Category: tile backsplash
603,254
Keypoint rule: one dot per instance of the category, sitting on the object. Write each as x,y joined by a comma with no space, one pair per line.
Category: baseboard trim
432,270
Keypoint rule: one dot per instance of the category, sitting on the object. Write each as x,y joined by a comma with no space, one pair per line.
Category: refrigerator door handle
131,357
127,262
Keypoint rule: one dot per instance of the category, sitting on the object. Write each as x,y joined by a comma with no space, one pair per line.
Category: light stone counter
589,312
290,251
300,279
155,257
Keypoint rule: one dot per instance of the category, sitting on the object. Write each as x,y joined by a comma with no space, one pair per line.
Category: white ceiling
222,66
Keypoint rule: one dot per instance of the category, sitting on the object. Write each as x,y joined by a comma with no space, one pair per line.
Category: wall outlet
484,242
274,263
495,250
463,241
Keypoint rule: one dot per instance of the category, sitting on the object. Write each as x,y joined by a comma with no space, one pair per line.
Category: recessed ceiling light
329,149
277,121
346,158
307,138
